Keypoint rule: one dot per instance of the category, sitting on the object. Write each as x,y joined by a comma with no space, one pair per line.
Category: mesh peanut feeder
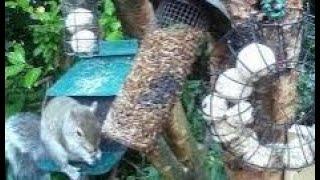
144,104
81,32
266,94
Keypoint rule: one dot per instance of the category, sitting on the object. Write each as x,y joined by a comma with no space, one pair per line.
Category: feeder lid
100,75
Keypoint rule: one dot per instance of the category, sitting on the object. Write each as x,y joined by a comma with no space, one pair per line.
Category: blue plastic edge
115,48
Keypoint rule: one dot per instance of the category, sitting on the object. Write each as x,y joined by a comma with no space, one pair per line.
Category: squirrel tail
24,168
23,147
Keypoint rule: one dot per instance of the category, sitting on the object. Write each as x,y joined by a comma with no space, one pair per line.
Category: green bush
31,58
33,48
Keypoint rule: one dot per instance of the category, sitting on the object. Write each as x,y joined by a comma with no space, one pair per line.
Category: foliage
147,173
193,92
19,78
306,81
306,90
274,9
192,95
58,176
32,58
111,26
214,166
134,165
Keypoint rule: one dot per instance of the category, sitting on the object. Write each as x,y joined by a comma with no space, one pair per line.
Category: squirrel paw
73,172
75,176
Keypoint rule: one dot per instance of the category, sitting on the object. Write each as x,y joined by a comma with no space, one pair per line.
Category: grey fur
23,147
70,131
55,137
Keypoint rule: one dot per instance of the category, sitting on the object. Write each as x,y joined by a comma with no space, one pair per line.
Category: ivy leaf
31,77
13,70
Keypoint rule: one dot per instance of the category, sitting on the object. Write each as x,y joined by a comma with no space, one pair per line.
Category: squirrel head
82,133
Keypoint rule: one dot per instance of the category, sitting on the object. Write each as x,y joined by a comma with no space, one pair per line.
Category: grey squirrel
67,131
70,132
23,147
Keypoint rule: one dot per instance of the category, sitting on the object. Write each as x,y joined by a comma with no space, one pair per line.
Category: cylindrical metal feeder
81,32
143,107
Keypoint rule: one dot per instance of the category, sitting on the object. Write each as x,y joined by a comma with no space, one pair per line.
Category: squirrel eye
79,133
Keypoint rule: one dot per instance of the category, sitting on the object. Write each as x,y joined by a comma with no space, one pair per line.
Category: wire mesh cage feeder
262,106
81,29
198,14
182,11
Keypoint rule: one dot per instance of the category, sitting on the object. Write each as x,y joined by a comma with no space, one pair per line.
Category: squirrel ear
94,106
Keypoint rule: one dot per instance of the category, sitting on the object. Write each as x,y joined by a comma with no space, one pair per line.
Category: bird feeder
98,78
144,106
81,29
269,56
204,14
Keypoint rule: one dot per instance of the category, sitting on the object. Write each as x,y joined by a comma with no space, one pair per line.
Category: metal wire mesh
238,111
81,30
182,12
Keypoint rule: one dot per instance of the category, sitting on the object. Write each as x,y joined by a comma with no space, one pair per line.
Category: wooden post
183,144
165,161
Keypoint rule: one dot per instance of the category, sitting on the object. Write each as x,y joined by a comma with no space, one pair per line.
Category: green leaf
109,8
24,4
31,77
10,4
58,176
37,51
15,104
8,83
116,35
115,26
17,56
13,70
151,173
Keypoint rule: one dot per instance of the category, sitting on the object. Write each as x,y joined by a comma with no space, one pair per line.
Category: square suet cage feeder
81,29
